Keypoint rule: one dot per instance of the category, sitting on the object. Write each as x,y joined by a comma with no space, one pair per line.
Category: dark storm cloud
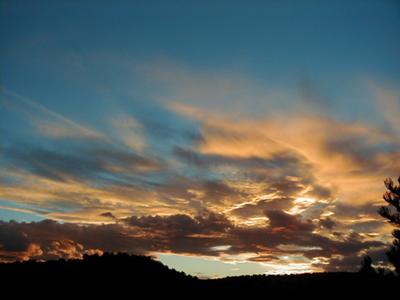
183,225
353,262
46,233
280,219
327,223
11,239
107,215
350,245
258,208
180,234
283,229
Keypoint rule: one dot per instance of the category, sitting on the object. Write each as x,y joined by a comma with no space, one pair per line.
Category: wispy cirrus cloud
46,121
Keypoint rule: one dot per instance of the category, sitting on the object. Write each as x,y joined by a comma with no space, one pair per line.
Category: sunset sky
222,137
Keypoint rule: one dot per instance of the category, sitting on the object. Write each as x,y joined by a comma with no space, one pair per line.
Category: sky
222,138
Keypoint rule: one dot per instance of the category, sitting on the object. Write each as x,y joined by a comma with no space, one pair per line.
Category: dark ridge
122,274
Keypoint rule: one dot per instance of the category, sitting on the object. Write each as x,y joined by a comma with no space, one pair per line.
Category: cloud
48,122
107,215
280,220
183,225
12,239
328,223
130,131
60,165
258,207
388,103
201,235
176,176
222,90
347,156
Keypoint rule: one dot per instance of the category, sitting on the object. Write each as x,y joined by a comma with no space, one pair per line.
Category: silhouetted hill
129,276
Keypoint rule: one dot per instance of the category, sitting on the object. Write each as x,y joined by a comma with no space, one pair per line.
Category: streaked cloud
281,189
46,121
129,131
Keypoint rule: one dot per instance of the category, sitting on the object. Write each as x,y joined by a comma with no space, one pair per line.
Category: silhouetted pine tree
392,213
366,266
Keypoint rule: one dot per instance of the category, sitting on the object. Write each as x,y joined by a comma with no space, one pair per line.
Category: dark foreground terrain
140,277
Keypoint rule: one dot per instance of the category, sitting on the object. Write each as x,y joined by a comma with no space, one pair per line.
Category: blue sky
265,112
72,46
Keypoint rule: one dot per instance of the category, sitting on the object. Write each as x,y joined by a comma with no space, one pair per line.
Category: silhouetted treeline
140,277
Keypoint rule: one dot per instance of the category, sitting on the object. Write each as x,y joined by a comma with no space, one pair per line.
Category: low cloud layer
209,234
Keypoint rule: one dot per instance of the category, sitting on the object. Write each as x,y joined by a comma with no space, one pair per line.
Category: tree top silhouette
391,212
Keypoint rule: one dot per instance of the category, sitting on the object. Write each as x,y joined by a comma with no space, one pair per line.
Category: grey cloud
280,160
80,163
328,223
179,234
354,211
11,239
258,208
279,218
285,174
178,225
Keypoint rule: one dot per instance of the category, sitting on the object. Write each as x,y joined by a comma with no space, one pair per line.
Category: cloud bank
287,187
